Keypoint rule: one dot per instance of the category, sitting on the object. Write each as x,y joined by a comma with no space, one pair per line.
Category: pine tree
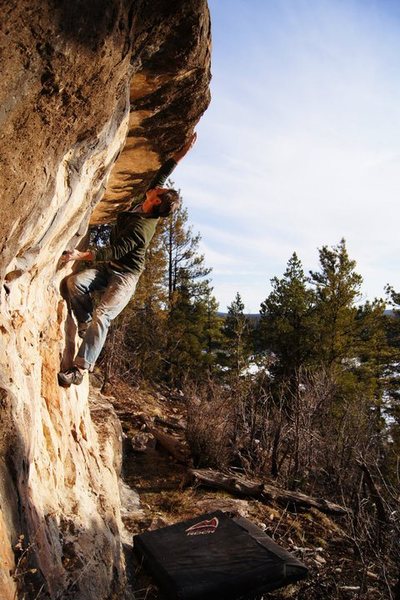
192,337
286,329
185,262
213,332
191,321
337,288
147,322
352,348
392,392
236,330
286,325
170,329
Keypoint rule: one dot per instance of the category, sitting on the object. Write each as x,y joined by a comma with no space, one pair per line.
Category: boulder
94,96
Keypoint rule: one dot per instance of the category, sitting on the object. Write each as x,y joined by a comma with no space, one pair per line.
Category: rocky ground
166,496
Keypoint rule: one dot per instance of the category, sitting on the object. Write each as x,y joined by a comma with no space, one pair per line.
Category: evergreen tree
391,407
192,337
286,325
286,329
99,235
236,330
185,262
147,322
213,332
352,348
192,312
170,329
337,288
393,320
321,328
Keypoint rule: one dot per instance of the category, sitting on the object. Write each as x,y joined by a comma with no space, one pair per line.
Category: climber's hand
68,255
185,148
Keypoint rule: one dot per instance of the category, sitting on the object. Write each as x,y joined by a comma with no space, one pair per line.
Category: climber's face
152,199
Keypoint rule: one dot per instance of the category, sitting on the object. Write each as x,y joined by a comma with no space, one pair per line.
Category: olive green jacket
133,231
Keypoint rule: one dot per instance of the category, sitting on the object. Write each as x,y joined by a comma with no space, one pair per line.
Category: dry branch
375,494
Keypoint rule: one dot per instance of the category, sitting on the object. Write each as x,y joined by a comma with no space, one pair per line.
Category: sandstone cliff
82,84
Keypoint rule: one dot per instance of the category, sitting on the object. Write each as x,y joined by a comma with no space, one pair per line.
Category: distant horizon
299,147
361,299
223,313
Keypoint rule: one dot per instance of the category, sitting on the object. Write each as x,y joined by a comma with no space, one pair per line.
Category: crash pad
216,556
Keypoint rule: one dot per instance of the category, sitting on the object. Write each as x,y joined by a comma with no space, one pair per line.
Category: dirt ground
167,496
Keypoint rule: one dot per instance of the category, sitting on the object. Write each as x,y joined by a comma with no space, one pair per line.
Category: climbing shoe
70,376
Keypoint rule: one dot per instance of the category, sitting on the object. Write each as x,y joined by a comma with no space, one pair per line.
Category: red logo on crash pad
203,527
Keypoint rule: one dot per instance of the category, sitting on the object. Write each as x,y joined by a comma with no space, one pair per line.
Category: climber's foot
70,376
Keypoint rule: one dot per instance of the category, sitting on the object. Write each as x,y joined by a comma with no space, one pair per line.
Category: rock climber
117,268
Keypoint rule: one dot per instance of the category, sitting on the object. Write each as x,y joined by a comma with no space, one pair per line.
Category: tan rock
67,78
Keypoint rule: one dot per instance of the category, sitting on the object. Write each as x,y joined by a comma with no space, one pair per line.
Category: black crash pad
216,557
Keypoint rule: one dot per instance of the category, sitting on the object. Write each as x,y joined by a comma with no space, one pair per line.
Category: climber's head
161,202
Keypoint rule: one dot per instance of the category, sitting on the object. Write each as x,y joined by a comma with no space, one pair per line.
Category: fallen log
235,484
173,423
171,444
238,485
299,499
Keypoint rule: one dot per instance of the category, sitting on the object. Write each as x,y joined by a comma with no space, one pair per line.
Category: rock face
82,83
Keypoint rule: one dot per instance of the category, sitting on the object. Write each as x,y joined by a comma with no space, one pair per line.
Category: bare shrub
301,416
210,424
277,431
374,527
252,426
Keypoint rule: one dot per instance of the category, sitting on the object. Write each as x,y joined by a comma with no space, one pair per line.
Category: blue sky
300,145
